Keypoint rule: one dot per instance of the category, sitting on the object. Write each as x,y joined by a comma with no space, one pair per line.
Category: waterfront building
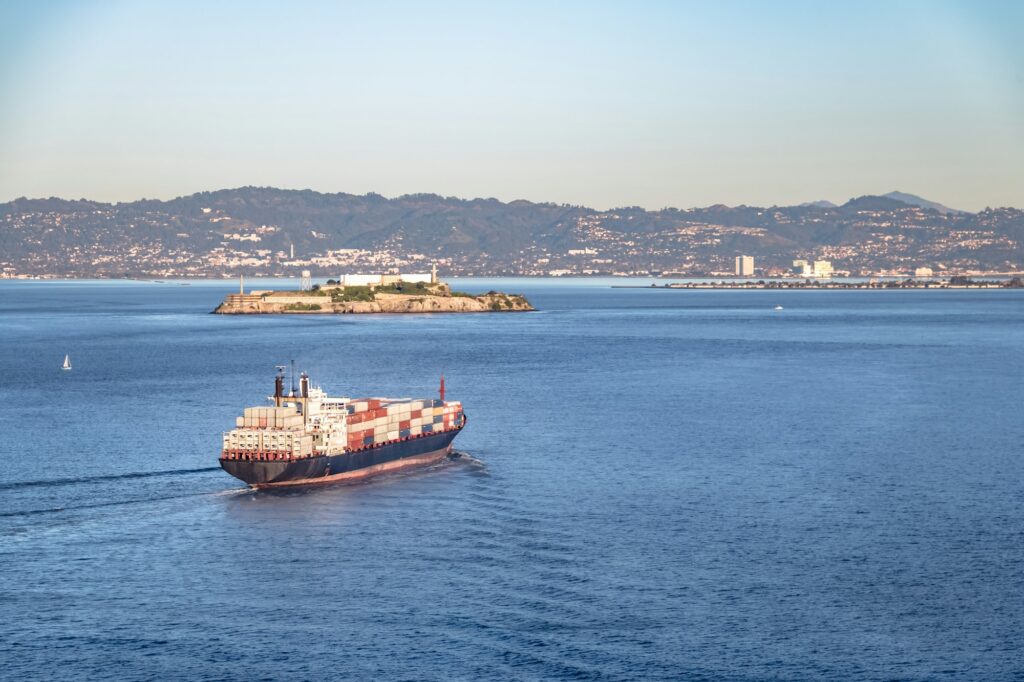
822,268
802,268
923,272
744,266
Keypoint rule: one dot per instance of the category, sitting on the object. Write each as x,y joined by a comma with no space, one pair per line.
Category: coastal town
209,236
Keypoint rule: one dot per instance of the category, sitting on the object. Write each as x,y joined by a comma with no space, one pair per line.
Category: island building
385,280
923,272
744,266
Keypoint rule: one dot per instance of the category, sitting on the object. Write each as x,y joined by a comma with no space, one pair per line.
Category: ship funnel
304,384
279,386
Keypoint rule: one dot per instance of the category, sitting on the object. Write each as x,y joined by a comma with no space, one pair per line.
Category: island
384,296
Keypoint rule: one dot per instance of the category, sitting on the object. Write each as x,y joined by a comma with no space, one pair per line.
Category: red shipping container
416,414
403,425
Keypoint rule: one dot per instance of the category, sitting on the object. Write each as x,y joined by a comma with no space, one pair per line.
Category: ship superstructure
308,436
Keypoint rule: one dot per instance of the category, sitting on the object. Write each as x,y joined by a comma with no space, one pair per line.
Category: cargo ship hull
347,466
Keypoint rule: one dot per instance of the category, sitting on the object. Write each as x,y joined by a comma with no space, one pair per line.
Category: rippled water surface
659,485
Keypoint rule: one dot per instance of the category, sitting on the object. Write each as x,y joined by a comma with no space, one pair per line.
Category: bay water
656,485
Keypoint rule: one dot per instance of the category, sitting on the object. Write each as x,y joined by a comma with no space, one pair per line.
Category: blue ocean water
659,485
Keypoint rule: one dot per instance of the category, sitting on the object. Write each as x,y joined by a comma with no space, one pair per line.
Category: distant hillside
915,200
255,230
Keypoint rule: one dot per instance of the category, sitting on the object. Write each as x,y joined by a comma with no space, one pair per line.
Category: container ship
310,437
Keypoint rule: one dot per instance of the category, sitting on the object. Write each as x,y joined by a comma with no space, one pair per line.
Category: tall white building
822,268
744,266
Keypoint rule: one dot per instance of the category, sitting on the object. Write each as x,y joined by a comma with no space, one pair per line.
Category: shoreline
834,286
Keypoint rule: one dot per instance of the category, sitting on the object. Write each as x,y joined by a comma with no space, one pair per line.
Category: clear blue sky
604,104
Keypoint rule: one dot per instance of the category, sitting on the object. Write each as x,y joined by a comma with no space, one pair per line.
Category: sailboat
67,363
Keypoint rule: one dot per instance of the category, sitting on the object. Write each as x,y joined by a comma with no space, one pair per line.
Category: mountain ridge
915,200
255,229
902,197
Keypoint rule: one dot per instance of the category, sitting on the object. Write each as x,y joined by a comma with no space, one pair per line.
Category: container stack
255,443
373,421
270,418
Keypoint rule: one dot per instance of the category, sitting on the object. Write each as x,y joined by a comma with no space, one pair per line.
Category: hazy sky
604,104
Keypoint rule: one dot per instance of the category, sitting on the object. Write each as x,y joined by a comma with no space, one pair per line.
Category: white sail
67,362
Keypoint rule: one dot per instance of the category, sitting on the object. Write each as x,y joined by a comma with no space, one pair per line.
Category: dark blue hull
347,466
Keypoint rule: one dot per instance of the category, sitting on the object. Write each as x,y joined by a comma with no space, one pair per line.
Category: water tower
306,283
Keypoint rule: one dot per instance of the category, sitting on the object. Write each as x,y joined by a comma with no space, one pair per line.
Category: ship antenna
442,388
293,378
279,385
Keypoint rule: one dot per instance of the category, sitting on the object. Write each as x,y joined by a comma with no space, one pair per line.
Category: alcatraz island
398,293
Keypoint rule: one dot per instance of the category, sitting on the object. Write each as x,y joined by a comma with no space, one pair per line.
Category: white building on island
384,280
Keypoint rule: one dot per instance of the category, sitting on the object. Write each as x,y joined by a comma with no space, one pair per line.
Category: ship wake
103,479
